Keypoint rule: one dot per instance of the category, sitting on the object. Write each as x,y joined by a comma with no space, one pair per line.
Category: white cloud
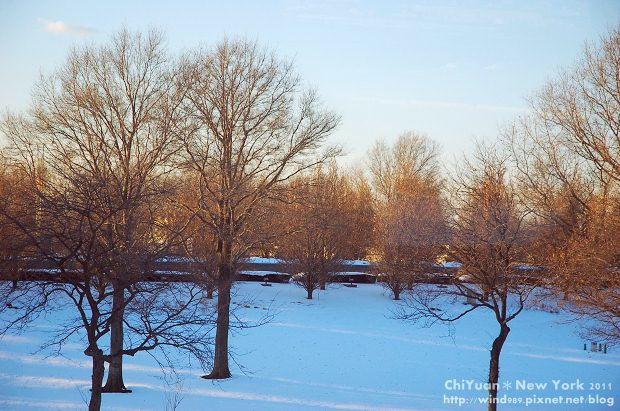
62,27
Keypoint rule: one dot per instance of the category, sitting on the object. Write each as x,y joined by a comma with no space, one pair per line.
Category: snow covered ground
340,351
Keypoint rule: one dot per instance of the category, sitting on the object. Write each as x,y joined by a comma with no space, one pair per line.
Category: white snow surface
342,350
344,273
450,264
355,262
263,260
260,273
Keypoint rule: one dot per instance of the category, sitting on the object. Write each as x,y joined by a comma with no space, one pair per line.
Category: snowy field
339,351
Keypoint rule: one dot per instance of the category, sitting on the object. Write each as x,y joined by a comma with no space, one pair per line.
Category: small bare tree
489,237
319,225
361,217
197,243
252,130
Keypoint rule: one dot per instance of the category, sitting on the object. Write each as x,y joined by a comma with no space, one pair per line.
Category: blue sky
455,70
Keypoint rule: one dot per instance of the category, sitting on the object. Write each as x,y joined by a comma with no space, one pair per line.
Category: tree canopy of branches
253,128
567,157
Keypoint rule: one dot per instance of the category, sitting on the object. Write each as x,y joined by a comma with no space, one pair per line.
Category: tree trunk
496,350
322,285
114,382
220,362
396,292
309,296
210,289
96,381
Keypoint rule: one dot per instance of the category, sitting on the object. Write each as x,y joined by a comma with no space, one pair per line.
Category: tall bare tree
254,128
490,237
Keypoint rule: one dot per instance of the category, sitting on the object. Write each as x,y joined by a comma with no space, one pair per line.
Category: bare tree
319,222
410,226
566,156
410,234
490,238
197,242
104,127
13,244
361,216
582,107
253,130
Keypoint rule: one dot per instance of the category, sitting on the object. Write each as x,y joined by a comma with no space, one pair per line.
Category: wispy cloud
448,67
446,15
61,27
442,104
